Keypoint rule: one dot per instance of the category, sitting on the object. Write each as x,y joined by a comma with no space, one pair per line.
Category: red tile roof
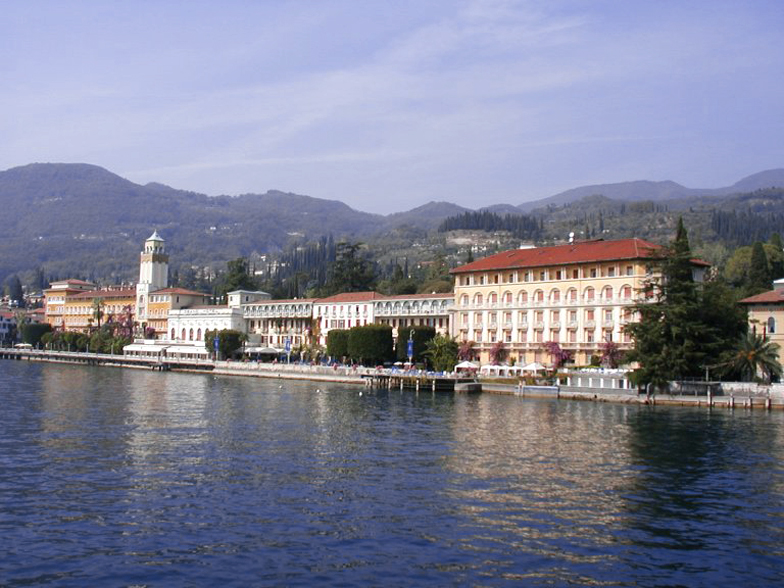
118,293
571,253
282,301
769,297
350,297
419,296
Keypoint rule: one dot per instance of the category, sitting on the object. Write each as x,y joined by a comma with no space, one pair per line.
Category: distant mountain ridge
656,191
63,216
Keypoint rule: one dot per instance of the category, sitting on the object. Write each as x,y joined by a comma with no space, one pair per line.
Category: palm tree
98,305
442,351
755,359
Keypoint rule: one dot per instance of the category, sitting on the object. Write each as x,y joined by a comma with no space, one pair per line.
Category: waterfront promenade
590,385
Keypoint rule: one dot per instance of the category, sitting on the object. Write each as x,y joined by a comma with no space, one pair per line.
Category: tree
558,355
442,352
98,306
466,351
371,344
497,353
337,343
32,333
14,291
682,327
755,358
237,277
759,273
611,354
421,334
775,254
350,272
229,342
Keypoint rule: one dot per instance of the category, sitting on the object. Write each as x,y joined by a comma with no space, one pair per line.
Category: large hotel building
577,295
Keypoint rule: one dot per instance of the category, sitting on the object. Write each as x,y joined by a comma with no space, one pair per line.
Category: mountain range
62,216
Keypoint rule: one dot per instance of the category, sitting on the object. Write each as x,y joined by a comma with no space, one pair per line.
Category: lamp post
411,347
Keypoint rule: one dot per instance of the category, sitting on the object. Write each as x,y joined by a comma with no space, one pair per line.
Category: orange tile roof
182,291
350,297
769,297
571,253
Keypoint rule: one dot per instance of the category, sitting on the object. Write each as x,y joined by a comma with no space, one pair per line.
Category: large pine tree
683,326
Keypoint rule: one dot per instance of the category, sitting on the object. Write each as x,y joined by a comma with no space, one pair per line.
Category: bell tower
153,274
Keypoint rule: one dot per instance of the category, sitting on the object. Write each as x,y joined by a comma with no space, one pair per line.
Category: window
593,272
771,326
575,274
589,294
522,297
629,270
611,272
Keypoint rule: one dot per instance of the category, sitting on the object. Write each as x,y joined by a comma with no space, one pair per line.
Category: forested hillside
78,220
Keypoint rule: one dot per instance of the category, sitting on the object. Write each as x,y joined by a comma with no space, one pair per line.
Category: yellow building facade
766,315
577,295
78,311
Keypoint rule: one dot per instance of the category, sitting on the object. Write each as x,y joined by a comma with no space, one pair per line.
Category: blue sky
387,105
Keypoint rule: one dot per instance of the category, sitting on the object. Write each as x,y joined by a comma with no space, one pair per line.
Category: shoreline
749,396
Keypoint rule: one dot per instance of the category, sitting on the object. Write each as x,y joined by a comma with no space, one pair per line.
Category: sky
389,104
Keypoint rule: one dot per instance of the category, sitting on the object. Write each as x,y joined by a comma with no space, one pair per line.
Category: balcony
539,325
590,324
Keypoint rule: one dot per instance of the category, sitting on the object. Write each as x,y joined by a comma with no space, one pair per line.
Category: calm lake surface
112,477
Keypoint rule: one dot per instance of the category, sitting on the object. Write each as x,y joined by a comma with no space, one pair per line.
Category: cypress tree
759,273
683,327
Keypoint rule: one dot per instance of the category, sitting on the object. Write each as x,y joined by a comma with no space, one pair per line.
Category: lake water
112,477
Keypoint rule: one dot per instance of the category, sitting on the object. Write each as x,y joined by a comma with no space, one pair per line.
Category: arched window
183,333
572,294
508,298
555,295
478,300
627,292
464,300
539,296
608,293
174,334
771,326
190,335
198,334
493,298
589,293
522,297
